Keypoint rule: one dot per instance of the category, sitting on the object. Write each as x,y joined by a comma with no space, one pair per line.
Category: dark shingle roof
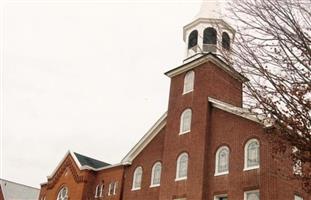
84,160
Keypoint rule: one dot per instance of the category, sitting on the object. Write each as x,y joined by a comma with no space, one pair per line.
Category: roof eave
209,57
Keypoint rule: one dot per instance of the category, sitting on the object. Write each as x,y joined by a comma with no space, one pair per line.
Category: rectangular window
251,195
298,197
221,197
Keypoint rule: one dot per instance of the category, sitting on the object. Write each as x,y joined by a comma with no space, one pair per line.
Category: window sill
187,92
183,133
153,186
251,168
221,174
181,179
135,189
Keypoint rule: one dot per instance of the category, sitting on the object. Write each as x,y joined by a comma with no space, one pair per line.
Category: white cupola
208,33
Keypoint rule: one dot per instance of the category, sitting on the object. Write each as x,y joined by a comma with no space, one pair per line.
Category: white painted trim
155,185
181,179
203,59
252,191
177,167
134,178
246,168
135,189
146,139
190,74
62,160
181,121
242,112
152,174
297,197
216,161
210,21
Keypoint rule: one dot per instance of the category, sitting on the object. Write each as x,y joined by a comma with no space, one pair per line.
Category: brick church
206,146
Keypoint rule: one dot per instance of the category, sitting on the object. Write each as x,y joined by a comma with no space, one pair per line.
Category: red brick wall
210,81
70,176
106,177
150,155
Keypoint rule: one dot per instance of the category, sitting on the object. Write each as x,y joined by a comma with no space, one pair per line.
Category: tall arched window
193,39
137,178
210,36
99,190
182,167
185,121
222,161
156,174
225,41
252,154
188,82
63,194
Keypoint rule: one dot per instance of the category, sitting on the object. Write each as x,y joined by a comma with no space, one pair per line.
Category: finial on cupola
208,33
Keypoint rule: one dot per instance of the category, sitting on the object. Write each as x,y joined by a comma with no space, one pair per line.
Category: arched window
137,178
182,167
185,121
225,41
222,161
193,39
99,190
252,154
156,174
188,82
210,36
63,194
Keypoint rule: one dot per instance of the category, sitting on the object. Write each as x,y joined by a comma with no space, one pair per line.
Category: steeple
210,9
208,33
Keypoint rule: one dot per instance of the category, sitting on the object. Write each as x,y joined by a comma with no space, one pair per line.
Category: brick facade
211,128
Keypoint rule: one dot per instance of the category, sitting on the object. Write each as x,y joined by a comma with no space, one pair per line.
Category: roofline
242,112
203,59
109,166
209,20
1,179
145,140
69,152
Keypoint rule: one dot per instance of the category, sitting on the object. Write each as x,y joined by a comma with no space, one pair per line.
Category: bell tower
208,33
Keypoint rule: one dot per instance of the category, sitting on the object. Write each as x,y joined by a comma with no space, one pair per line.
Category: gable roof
91,162
16,191
145,140
207,57
241,112
83,163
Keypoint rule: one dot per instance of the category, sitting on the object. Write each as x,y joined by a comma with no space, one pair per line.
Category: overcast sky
85,76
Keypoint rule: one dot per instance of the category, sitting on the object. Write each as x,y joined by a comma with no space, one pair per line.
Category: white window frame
178,167
181,131
252,191
134,178
100,188
246,167
115,188
188,79
297,197
216,197
153,174
217,173
61,197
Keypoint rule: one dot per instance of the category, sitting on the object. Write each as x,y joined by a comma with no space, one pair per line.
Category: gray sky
83,75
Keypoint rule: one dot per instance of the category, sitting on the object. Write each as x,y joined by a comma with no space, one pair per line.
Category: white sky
83,75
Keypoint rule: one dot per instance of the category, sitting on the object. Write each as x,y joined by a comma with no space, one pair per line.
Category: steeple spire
211,9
